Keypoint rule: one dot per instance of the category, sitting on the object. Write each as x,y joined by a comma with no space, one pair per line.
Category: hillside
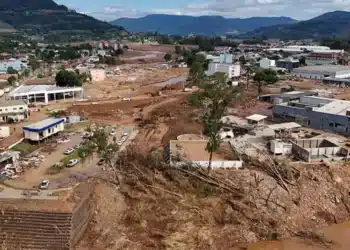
335,23
4,27
47,17
203,25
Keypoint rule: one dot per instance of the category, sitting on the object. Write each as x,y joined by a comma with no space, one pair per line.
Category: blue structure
43,129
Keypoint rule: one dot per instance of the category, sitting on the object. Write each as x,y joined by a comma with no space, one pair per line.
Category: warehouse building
320,72
319,113
41,130
45,93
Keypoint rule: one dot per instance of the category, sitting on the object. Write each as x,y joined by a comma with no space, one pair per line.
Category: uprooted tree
213,98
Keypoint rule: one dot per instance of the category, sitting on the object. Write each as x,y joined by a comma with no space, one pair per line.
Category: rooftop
7,155
339,107
195,150
256,117
27,89
322,69
12,103
44,124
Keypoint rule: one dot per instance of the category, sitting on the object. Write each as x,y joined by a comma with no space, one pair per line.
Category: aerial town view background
173,131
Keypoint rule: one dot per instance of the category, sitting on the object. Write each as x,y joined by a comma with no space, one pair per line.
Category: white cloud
299,9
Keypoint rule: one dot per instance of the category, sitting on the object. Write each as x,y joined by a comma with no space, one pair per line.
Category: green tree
11,80
213,98
196,75
302,61
34,64
178,50
266,76
119,52
26,73
11,70
66,78
167,57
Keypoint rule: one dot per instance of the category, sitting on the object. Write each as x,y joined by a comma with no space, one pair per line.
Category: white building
323,71
43,129
266,63
45,93
232,70
300,49
4,131
98,75
13,63
13,110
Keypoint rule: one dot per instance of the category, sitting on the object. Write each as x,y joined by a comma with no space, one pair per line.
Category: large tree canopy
66,78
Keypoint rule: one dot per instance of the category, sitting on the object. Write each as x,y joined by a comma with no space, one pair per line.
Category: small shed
43,129
256,119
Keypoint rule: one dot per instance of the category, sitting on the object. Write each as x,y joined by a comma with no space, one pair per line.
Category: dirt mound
156,207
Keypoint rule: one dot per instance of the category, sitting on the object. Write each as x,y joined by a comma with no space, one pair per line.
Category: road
67,177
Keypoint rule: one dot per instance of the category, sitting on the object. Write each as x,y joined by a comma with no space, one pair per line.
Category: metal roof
44,124
31,89
322,69
256,117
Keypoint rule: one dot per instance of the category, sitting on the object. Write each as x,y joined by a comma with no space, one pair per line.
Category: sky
299,9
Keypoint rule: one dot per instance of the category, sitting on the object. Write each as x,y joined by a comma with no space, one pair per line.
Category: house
319,113
14,63
45,93
13,111
98,75
41,130
288,64
8,157
279,147
266,63
231,70
286,96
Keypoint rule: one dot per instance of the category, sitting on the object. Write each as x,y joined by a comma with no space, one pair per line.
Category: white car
112,132
78,146
68,151
126,99
72,163
44,184
125,134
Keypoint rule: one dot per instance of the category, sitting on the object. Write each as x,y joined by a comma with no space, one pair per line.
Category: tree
11,80
213,98
34,64
119,52
266,76
196,75
26,73
66,78
242,60
302,60
178,50
11,70
167,57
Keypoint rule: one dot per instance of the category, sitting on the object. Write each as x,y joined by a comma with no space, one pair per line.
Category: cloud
299,9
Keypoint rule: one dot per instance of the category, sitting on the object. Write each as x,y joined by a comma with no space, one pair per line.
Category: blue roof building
43,129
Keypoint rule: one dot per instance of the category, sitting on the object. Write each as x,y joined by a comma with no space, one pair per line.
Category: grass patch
77,126
25,148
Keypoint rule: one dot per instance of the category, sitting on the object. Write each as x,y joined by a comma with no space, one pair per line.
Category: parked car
126,99
68,151
125,134
112,132
72,163
44,184
101,162
78,146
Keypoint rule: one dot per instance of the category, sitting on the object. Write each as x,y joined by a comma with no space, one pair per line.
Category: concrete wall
301,152
4,132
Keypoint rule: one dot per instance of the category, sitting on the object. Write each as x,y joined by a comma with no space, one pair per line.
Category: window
21,108
14,108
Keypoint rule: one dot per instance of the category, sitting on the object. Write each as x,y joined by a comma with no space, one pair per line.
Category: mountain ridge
201,25
47,17
334,23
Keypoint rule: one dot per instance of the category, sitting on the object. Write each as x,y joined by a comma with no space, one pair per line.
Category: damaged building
319,113
318,149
